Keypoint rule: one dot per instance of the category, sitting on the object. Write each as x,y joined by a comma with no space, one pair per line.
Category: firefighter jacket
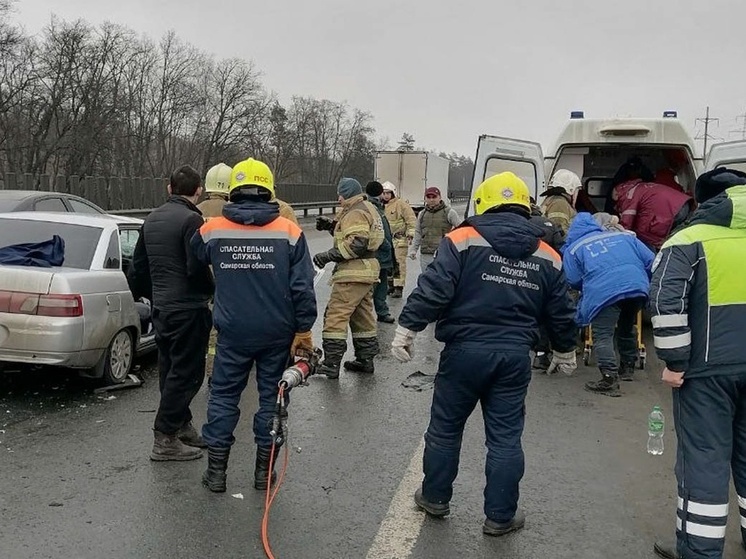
698,292
358,234
493,281
402,221
558,209
432,226
286,211
605,266
263,274
212,206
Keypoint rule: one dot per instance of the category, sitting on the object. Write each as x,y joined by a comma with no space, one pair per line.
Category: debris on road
419,381
56,504
237,496
131,381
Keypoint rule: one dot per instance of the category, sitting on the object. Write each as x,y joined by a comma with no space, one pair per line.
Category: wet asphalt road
77,483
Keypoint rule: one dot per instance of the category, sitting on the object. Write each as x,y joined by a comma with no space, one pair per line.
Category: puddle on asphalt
419,381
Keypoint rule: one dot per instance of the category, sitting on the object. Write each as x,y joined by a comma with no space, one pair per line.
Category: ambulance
595,148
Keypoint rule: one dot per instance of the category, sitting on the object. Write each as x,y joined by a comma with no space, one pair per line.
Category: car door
496,154
727,154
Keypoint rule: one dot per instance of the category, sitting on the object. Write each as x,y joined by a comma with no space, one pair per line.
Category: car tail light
18,302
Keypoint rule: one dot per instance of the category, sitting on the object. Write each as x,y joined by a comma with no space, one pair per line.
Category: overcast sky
447,71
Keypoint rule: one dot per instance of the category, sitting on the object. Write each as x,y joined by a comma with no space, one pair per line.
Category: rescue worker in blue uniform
264,309
698,308
491,283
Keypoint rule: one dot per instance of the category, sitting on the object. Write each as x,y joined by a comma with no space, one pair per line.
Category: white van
595,148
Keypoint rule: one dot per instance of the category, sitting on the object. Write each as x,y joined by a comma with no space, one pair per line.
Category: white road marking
401,527
319,274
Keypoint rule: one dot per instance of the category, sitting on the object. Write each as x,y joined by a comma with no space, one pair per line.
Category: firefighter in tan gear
217,183
559,202
403,222
358,233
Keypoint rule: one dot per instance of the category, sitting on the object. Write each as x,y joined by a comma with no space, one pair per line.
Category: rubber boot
359,366
334,350
261,469
169,447
386,318
398,293
217,464
492,528
627,371
666,550
190,437
608,385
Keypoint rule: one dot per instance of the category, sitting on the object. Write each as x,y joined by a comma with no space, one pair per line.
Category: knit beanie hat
715,182
349,188
374,189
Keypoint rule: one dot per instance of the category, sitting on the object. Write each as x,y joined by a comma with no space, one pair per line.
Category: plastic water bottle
656,425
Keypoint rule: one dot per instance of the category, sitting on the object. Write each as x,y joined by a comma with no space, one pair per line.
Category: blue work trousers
498,380
710,421
230,375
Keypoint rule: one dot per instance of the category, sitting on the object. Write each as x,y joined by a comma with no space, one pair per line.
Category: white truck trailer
412,172
595,148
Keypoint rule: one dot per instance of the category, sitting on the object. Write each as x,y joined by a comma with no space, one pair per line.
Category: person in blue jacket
264,309
611,269
493,280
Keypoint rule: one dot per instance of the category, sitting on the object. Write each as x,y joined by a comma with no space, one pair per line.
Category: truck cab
595,148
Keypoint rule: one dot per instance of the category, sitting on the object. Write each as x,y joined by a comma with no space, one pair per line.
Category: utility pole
742,131
706,136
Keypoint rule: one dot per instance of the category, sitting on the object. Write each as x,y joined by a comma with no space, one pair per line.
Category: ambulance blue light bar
670,114
574,115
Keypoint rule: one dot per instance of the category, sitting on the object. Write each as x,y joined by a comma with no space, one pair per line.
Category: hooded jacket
649,209
605,266
263,274
698,292
493,281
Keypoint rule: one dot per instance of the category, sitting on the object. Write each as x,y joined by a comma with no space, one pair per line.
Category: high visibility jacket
559,211
698,291
492,282
357,236
401,219
264,290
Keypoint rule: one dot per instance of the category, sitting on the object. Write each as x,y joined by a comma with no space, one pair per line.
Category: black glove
321,259
324,223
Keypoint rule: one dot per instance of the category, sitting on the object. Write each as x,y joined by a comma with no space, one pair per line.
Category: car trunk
26,279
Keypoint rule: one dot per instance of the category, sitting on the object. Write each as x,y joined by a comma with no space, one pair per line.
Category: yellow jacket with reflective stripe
358,218
401,219
559,211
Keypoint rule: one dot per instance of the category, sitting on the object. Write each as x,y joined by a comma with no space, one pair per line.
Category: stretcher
588,344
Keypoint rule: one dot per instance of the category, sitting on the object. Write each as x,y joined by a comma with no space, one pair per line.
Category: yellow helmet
500,190
218,179
251,172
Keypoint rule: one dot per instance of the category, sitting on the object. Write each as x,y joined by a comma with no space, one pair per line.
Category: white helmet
568,180
389,186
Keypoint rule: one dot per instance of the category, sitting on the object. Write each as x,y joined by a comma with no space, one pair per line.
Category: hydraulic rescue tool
295,375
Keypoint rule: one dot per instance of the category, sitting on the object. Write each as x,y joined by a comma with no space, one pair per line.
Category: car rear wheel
117,362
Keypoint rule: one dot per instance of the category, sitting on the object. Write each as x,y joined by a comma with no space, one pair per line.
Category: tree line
87,100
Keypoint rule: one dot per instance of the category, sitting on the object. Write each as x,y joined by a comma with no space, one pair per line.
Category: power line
742,131
706,135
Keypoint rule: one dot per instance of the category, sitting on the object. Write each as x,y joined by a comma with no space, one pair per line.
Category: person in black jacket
491,283
165,270
385,255
554,236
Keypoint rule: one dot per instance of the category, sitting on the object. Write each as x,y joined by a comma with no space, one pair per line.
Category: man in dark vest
433,223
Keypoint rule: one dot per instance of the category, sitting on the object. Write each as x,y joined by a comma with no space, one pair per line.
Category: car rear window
80,241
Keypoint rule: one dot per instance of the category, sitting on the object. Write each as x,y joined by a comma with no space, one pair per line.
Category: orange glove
302,345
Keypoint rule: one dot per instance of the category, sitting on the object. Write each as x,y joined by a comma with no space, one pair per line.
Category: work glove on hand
321,259
402,348
302,345
324,223
563,363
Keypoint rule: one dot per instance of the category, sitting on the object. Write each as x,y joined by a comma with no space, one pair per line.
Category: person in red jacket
650,209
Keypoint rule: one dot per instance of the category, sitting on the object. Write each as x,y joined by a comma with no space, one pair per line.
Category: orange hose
270,495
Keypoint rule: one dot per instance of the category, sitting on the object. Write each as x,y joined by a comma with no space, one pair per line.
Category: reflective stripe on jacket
358,219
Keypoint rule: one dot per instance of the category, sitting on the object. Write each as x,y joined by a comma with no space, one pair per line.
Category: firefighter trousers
351,305
710,420
498,380
230,374
401,249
